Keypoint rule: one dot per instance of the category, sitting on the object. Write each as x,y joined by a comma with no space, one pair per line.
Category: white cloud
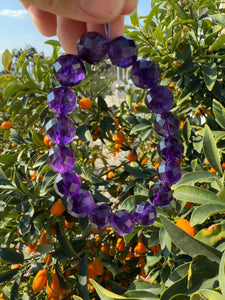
12,13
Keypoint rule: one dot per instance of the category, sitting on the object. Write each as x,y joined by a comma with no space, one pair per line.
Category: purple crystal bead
145,73
169,172
145,213
62,100
122,51
92,47
81,204
122,222
170,148
67,184
167,124
159,99
61,158
61,129
69,70
99,217
160,194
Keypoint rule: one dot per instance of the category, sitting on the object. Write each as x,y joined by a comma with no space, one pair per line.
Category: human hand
69,19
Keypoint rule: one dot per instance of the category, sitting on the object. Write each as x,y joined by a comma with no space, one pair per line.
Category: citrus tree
48,254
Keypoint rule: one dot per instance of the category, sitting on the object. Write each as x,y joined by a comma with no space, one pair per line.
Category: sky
17,30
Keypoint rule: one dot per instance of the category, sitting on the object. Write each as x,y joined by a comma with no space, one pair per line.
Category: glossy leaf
209,71
218,44
212,234
205,294
195,195
210,150
105,294
7,60
82,277
7,276
11,255
15,288
134,19
64,242
180,296
219,113
194,177
187,243
205,211
222,274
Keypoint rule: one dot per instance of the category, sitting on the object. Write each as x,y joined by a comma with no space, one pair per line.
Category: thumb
94,11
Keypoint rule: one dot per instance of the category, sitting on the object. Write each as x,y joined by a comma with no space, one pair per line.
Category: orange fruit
131,156
15,266
139,249
144,161
6,125
94,230
120,245
31,247
54,288
40,281
104,249
129,255
223,166
98,266
110,174
119,138
68,224
85,103
95,133
57,208
186,226
90,271
48,259
136,107
116,122
171,85
117,147
156,248
47,141
181,124
212,171
188,205
43,239
97,240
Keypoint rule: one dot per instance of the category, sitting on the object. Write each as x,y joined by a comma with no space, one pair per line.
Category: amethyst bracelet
70,70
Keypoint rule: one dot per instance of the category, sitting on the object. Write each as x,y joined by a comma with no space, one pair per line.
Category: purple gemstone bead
170,148
169,172
92,47
61,129
122,222
81,204
67,184
61,158
69,70
144,213
159,99
62,100
160,194
99,217
167,124
122,51
145,73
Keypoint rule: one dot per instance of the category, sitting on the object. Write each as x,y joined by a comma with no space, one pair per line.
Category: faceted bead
67,184
145,73
170,148
81,204
92,47
122,222
69,70
61,129
144,213
99,217
169,172
160,194
61,158
122,51
62,100
159,99
167,124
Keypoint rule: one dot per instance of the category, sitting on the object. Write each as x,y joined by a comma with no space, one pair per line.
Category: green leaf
53,43
25,221
102,104
143,295
77,298
64,242
212,235
140,127
180,296
11,255
7,60
177,274
105,294
222,274
15,288
209,71
130,202
219,113
187,243
111,266
195,195
203,212
180,11
159,34
82,277
193,177
7,276
134,19
218,44
210,150
205,294
219,18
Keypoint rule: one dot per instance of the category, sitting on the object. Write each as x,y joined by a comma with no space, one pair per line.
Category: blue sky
17,29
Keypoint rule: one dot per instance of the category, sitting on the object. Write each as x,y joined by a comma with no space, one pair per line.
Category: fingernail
104,10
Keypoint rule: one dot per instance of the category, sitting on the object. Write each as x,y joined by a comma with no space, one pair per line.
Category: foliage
187,40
